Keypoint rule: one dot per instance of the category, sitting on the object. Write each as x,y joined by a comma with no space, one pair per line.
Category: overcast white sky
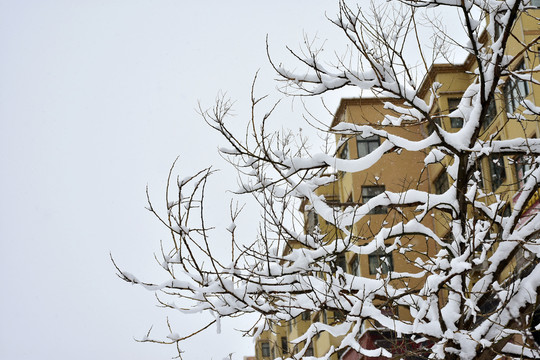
97,98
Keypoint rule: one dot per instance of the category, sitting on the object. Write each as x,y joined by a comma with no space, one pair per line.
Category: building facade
501,177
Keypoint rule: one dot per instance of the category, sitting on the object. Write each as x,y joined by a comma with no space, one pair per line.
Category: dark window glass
339,316
441,183
366,145
522,165
368,193
455,122
511,102
380,262
390,311
309,351
354,266
312,221
515,90
431,126
341,262
536,319
265,349
344,151
498,172
284,345
490,114
498,29
476,174
306,315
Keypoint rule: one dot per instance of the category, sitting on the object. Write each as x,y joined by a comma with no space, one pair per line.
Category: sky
97,99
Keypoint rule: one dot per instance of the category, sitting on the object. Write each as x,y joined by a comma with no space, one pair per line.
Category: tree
462,310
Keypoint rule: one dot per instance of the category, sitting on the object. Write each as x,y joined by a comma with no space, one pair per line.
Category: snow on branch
441,260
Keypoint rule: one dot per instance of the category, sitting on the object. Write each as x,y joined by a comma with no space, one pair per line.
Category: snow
281,281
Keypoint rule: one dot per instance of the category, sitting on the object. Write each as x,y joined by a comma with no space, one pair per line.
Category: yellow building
395,172
502,175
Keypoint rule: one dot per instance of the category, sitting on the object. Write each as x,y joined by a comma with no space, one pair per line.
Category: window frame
378,210
522,165
515,90
377,259
341,262
431,127
284,345
441,183
478,167
344,152
339,316
371,143
312,221
265,348
491,113
455,122
309,350
496,169
354,266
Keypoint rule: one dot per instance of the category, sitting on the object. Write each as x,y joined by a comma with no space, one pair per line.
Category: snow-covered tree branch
468,284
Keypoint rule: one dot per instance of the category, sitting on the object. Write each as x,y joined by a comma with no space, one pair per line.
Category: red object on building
376,339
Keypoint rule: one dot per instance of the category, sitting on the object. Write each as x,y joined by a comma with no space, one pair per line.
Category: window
312,221
490,114
309,351
534,323
380,262
431,125
368,193
341,262
344,152
498,29
515,90
339,316
324,317
441,183
354,266
366,145
476,174
390,311
522,165
488,307
284,345
306,315
498,173
455,122
265,349
507,211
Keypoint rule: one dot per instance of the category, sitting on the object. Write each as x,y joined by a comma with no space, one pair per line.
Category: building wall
398,172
